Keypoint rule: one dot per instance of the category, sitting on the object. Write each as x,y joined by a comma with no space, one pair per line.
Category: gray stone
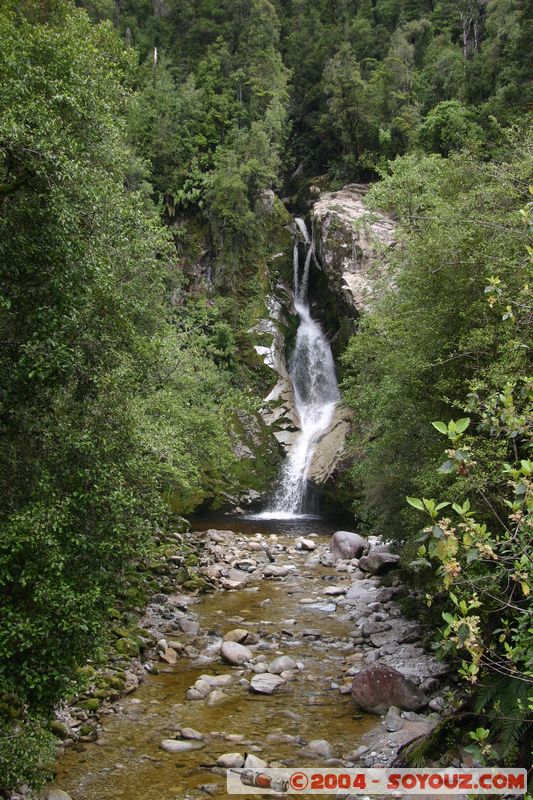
393,720
274,571
318,748
218,698
235,653
254,762
377,562
236,635
58,794
282,664
335,591
230,760
266,683
190,733
347,545
177,746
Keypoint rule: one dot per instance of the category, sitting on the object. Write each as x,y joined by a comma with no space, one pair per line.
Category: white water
316,393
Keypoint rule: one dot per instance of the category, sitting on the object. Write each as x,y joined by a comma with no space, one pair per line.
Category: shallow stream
127,761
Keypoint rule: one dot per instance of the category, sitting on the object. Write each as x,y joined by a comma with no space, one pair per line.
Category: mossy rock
91,705
127,647
86,730
120,632
59,729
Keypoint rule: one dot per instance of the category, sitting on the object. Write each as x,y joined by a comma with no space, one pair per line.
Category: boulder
58,794
265,683
235,653
377,562
346,545
378,687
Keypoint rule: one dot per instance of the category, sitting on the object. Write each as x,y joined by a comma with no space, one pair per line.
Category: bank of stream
301,613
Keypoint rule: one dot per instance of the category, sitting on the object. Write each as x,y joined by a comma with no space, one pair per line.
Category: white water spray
316,393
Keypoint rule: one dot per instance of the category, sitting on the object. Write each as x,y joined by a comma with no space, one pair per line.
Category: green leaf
442,505
462,424
416,503
441,427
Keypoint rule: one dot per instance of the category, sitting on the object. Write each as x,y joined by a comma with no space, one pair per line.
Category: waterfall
316,393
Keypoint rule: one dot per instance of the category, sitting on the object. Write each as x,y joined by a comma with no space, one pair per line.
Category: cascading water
316,393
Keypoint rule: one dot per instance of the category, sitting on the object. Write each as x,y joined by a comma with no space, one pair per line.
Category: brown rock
378,687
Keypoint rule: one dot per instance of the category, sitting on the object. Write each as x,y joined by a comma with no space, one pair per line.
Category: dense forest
139,137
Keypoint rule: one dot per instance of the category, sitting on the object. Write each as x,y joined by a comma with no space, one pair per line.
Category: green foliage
433,338
27,752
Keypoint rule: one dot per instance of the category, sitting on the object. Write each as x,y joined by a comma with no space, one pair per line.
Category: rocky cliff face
353,245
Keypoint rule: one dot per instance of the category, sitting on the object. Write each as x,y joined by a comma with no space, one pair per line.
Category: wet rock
194,694
217,698
169,656
378,686
318,748
335,591
266,683
218,680
346,545
282,664
235,653
202,686
236,635
305,544
274,571
190,733
177,746
377,562
230,760
58,794
393,720
313,633
131,682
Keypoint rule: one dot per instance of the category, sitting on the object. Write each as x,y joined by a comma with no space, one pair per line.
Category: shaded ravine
127,761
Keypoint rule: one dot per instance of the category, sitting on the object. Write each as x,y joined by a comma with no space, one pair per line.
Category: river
127,761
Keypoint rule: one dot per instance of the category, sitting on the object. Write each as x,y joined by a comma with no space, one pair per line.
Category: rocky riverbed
300,656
